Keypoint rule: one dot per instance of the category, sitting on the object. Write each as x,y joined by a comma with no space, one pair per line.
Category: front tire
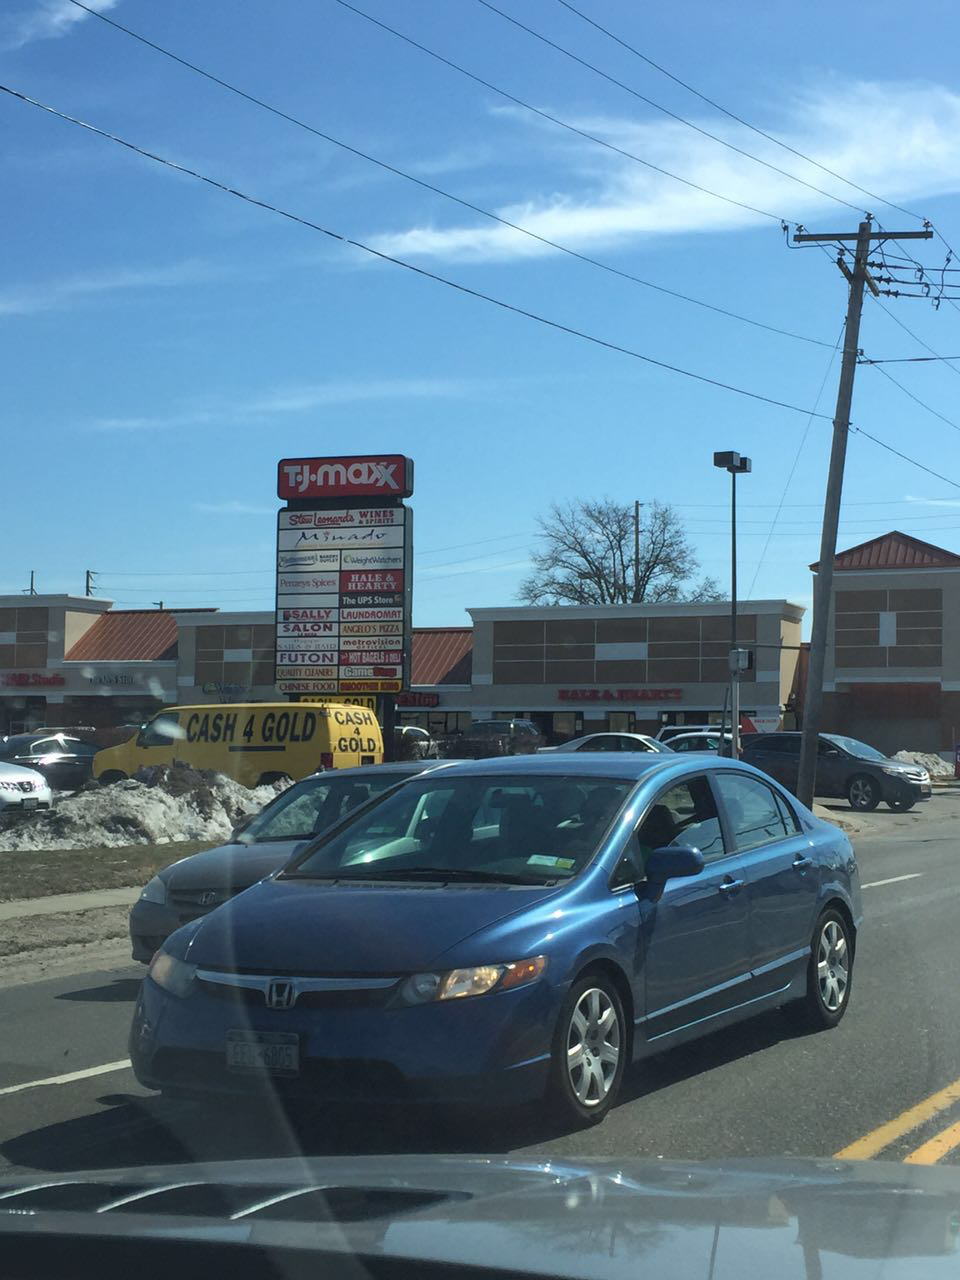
863,793
829,974
111,776
901,806
590,1051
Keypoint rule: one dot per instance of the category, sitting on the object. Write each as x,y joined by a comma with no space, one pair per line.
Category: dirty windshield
480,627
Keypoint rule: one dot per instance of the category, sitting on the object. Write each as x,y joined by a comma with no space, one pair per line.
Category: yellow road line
937,1147
872,1143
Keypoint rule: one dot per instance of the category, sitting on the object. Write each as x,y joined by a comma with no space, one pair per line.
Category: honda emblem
281,994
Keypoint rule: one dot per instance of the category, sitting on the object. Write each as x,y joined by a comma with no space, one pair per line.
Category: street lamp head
733,462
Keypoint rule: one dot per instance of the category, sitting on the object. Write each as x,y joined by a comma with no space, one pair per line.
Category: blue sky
162,345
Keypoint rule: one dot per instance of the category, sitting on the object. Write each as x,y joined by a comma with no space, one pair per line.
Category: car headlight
173,975
154,891
454,984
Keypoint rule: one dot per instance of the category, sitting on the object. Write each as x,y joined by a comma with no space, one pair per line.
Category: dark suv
66,762
496,738
845,767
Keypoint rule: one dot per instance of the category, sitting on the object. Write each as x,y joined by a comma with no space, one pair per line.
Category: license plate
29,802
273,1053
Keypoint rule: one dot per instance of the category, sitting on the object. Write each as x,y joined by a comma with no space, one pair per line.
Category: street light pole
736,465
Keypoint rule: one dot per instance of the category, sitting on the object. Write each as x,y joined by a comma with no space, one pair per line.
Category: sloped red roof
894,550
441,655
128,635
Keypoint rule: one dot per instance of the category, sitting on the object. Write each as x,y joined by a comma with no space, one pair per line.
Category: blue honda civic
507,930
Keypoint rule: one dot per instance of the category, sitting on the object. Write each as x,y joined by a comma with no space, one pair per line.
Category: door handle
801,862
730,886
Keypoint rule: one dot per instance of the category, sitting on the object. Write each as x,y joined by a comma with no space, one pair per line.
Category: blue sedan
507,929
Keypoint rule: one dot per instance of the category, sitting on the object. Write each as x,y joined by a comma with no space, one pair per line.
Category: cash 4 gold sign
344,563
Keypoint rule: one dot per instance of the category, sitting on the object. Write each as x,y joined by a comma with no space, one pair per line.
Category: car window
46,746
632,744
753,814
311,806
602,742
685,814
791,821
161,731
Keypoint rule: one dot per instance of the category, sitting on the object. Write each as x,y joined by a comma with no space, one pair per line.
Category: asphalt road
757,1089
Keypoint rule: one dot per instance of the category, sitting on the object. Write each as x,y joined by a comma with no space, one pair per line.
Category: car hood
17,773
230,867
606,1220
316,926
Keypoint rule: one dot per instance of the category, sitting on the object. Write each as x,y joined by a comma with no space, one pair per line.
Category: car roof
566,764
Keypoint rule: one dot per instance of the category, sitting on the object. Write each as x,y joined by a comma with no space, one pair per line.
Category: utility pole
636,551
823,585
88,585
32,590
737,465
158,603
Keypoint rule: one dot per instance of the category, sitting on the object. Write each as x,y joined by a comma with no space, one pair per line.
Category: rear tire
112,775
590,1050
829,974
863,793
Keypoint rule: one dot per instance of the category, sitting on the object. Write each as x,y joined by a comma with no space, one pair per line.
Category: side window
790,819
790,746
600,743
753,813
683,815
160,731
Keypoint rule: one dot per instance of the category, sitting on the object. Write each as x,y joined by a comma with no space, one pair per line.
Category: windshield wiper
462,874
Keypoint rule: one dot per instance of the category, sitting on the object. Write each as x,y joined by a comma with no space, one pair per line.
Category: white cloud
902,140
45,20
297,399
54,295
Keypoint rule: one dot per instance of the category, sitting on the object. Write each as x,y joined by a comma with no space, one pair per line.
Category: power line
908,359
436,190
563,124
915,336
916,399
452,284
732,115
538,35
400,262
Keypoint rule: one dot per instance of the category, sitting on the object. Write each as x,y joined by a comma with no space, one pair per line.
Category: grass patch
35,873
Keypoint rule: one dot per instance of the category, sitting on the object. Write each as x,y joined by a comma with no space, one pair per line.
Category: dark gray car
845,767
194,886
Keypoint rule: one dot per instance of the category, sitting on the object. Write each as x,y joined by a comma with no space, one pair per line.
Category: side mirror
673,862
242,825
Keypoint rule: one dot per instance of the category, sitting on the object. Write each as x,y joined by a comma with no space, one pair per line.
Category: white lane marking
875,884
102,1070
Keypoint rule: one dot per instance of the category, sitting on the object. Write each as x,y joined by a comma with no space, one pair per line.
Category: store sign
414,699
368,475
619,695
343,579
32,680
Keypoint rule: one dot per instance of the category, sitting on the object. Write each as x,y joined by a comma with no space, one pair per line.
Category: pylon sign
344,575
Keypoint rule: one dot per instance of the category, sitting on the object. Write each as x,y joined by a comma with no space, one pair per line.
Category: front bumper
491,1049
903,789
151,923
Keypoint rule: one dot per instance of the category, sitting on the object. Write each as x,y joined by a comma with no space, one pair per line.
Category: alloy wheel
833,965
593,1047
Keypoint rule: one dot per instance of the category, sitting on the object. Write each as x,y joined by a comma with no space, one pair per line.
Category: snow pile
935,766
158,805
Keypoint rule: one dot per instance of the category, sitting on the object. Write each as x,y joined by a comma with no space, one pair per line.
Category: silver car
22,789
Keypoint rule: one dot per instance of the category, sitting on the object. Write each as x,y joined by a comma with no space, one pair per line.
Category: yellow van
253,742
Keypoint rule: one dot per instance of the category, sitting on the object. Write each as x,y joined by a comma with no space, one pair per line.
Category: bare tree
587,557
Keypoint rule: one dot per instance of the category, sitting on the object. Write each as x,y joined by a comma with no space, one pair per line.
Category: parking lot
883,1084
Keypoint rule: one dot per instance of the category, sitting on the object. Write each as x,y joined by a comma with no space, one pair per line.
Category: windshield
533,830
311,806
855,748
423,385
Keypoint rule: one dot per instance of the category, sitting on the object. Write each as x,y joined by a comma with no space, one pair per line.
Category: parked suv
845,767
496,738
65,762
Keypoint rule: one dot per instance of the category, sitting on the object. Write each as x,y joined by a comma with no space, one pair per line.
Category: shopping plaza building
892,675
